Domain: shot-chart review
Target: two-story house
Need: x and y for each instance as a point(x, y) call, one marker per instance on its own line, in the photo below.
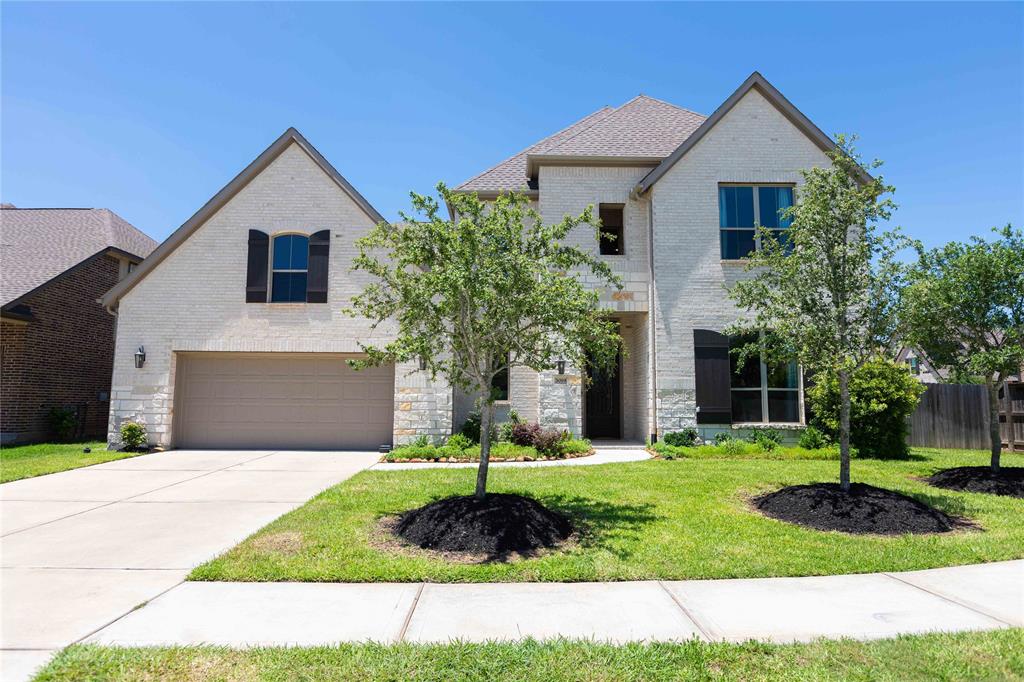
point(231, 334)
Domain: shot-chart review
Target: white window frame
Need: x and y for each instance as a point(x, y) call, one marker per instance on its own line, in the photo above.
point(764, 388)
point(272, 270)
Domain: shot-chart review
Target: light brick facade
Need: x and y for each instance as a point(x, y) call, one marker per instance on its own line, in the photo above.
point(194, 300)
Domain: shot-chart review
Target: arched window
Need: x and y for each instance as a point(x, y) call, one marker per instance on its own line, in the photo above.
point(290, 268)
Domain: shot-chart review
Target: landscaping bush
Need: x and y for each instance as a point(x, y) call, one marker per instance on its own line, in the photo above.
point(471, 427)
point(63, 423)
point(721, 437)
point(546, 441)
point(684, 438)
point(133, 436)
point(459, 442)
point(767, 439)
point(883, 394)
point(812, 439)
point(505, 428)
point(735, 446)
point(524, 434)
point(574, 446)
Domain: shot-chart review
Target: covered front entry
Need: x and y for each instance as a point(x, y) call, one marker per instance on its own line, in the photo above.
point(281, 400)
point(603, 403)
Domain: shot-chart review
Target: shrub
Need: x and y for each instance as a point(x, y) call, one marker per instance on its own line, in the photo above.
point(63, 422)
point(546, 441)
point(685, 438)
point(883, 394)
point(525, 434)
point(766, 439)
point(721, 437)
point(421, 442)
point(133, 435)
point(574, 446)
point(813, 439)
point(734, 446)
point(459, 442)
point(471, 427)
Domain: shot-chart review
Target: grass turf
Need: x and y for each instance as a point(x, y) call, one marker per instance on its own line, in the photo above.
point(996, 655)
point(645, 520)
point(26, 461)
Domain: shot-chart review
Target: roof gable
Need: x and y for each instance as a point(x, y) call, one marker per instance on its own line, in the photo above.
point(240, 181)
point(753, 82)
point(40, 244)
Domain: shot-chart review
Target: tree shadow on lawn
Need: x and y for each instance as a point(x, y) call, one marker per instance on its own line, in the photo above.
point(598, 522)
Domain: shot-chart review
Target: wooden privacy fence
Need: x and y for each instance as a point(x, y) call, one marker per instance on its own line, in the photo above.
point(951, 416)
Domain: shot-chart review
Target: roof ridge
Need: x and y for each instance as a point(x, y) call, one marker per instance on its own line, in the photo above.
point(671, 104)
point(526, 150)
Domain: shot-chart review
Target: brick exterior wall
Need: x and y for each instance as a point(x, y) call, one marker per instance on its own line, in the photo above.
point(195, 301)
point(753, 143)
point(61, 358)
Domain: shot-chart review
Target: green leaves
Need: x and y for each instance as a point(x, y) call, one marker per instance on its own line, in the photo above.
point(491, 288)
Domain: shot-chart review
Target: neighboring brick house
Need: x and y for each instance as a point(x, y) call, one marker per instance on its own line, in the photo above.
point(56, 340)
point(240, 311)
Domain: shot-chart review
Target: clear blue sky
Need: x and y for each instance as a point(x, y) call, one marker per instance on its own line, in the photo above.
point(149, 109)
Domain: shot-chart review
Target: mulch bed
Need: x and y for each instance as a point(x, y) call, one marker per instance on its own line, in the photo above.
point(1009, 481)
point(865, 509)
point(496, 527)
point(475, 460)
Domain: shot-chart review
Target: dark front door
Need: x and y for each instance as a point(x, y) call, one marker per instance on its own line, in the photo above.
point(604, 403)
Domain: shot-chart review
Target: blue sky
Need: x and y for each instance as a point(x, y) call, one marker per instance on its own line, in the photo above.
point(149, 109)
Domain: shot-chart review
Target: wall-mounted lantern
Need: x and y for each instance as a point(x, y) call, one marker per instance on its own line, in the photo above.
point(423, 363)
point(140, 357)
point(560, 365)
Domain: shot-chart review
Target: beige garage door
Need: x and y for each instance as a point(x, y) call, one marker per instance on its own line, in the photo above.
point(281, 400)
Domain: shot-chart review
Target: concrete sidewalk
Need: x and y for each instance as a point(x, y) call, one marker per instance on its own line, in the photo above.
point(979, 597)
point(82, 548)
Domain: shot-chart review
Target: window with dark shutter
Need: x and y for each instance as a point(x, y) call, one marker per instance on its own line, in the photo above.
point(256, 274)
point(319, 258)
point(612, 243)
point(712, 377)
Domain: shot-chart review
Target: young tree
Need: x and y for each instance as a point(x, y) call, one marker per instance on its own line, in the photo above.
point(492, 289)
point(826, 295)
point(965, 309)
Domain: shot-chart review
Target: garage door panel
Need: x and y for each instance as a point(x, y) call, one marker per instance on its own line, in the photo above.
point(238, 400)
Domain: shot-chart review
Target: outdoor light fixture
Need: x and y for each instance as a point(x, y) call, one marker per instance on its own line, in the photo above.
point(140, 357)
point(423, 363)
point(560, 364)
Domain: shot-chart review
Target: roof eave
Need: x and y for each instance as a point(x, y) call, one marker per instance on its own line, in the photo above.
point(222, 197)
point(535, 161)
point(776, 98)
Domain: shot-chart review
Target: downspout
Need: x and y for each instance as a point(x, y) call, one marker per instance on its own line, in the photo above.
point(652, 337)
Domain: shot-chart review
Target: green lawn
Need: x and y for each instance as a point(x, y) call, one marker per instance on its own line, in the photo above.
point(25, 461)
point(645, 520)
point(997, 655)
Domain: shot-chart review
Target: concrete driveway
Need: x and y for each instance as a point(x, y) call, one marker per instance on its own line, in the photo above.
point(80, 549)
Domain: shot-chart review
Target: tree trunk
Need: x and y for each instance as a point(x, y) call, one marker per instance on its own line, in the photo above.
point(844, 429)
point(993, 421)
point(485, 449)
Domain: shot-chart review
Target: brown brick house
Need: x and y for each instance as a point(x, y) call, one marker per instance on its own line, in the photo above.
point(56, 340)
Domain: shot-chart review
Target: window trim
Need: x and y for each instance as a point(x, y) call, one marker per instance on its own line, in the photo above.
point(764, 388)
point(757, 214)
point(622, 228)
point(271, 269)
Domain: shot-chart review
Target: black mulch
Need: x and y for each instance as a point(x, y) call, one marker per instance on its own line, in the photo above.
point(497, 526)
point(864, 509)
point(1009, 481)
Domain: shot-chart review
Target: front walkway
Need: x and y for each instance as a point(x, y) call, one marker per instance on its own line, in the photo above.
point(81, 548)
point(979, 597)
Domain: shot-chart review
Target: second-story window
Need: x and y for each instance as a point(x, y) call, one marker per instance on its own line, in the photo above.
point(291, 268)
point(612, 242)
point(742, 207)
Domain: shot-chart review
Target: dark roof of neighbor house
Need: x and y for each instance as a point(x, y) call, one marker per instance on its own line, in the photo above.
point(38, 244)
point(642, 128)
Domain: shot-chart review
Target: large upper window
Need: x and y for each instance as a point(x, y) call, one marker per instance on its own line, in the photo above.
point(499, 383)
point(612, 243)
point(764, 393)
point(291, 268)
point(742, 207)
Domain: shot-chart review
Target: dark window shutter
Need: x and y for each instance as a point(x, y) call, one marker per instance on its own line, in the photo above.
point(319, 257)
point(713, 380)
point(259, 261)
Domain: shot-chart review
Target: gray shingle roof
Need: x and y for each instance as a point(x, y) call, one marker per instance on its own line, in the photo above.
point(642, 127)
point(37, 244)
